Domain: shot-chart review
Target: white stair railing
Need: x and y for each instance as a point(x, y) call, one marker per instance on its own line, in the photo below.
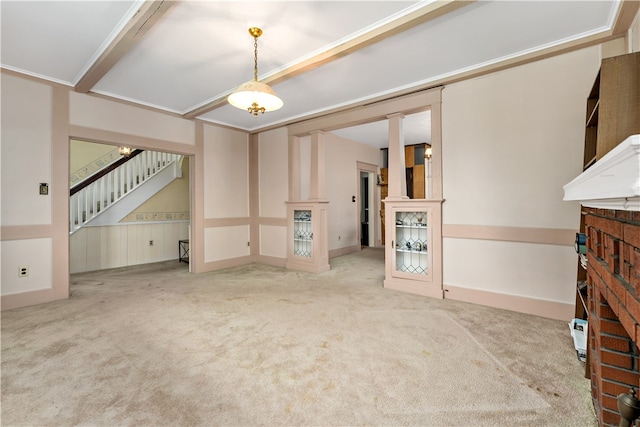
point(107, 190)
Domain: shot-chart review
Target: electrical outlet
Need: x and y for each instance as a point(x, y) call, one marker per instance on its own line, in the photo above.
point(150, 242)
point(23, 271)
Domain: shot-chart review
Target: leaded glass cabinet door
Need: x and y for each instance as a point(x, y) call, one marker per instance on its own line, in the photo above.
point(413, 246)
point(411, 242)
point(302, 233)
point(307, 248)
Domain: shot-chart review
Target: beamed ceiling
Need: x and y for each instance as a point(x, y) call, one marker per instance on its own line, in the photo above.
point(185, 57)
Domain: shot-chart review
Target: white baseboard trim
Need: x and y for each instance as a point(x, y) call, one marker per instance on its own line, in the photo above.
point(543, 308)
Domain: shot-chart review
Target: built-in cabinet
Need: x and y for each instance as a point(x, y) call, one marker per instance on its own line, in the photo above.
point(306, 237)
point(414, 227)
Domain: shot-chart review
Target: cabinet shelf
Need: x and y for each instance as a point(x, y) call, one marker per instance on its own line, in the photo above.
point(412, 252)
point(592, 111)
point(582, 294)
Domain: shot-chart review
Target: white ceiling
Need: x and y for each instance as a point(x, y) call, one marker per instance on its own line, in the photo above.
point(191, 53)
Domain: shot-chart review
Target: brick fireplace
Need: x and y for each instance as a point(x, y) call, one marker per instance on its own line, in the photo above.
point(613, 283)
point(609, 192)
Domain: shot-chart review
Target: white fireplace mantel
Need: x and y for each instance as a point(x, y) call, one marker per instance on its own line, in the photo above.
point(613, 182)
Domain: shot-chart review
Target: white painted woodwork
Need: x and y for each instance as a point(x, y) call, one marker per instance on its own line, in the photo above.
point(613, 182)
point(97, 248)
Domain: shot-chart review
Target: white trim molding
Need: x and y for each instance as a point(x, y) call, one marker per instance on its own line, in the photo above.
point(613, 182)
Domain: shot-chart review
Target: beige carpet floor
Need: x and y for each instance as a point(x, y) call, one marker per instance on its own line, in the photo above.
point(256, 345)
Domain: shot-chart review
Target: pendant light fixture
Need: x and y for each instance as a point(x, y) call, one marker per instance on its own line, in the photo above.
point(254, 96)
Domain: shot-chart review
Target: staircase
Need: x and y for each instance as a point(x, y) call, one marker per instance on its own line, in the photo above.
point(114, 194)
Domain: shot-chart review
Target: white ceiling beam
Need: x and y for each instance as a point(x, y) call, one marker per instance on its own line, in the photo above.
point(148, 14)
point(420, 16)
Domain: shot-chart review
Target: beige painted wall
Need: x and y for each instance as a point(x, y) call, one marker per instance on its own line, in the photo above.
point(343, 180)
point(26, 151)
point(226, 177)
point(274, 177)
point(273, 156)
point(226, 194)
point(26, 135)
point(97, 113)
point(83, 154)
point(511, 140)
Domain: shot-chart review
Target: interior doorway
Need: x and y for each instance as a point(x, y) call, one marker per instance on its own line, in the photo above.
point(364, 209)
point(366, 188)
point(146, 226)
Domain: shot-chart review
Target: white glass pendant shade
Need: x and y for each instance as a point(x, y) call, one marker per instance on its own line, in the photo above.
point(254, 92)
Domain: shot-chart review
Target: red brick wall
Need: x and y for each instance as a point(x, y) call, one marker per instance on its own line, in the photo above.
point(613, 283)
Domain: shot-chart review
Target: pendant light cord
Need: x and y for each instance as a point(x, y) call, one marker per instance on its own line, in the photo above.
point(255, 58)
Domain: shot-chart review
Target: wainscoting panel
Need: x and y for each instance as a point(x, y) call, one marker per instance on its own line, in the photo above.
point(97, 248)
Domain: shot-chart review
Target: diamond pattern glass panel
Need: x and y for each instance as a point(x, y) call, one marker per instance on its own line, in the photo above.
point(411, 242)
point(302, 233)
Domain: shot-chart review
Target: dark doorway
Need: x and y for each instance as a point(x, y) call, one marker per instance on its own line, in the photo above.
point(364, 208)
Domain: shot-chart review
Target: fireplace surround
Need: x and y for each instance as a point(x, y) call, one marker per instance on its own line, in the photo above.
point(609, 192)
point(613, 283)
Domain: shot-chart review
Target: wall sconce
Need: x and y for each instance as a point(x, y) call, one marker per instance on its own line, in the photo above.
point(124, 151)
point(428, 153)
